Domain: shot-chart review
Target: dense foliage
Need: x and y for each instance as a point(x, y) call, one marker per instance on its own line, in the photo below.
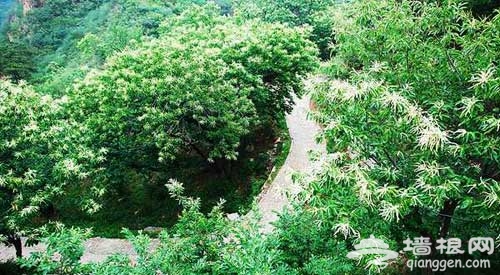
point(205, 244)
point(411, 118)
point(198, 90)
point(40, 153)
point(295, 13)
point(206, 83)
point(70, 41)
point(16, 60)
point(409, 106)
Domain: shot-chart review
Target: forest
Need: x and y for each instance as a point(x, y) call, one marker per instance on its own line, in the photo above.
point(288, 137)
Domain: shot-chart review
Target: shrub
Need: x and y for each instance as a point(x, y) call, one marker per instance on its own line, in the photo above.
point(413, 127)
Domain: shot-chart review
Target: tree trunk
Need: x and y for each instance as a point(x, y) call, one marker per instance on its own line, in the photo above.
point(19, 247)
point(15, 240)
point(446, 216)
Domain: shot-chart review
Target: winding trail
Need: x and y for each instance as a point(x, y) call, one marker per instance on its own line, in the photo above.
point(303, 135)
point(270, 202)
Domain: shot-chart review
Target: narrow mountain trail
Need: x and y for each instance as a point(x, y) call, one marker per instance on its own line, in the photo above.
point(270, 202)
point(303, 135)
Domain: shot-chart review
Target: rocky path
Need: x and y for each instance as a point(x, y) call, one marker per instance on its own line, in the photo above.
point(302, 133)
point(96, 249)
point(271, 201)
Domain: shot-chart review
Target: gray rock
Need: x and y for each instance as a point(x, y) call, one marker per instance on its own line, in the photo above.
point(152, 230)
point(233, 216)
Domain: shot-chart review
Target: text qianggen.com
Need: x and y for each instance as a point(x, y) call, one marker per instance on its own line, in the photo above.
point(442, 265)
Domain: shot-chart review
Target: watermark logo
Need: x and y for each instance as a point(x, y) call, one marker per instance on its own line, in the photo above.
point(373, 246)
point(423, 246)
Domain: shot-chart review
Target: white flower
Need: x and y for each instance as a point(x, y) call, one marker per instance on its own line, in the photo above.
point(175, 187)
point(428, 169)
point(91, 206)
point(354, 93)
point(342, 90)
point(460, 133)
point(335, 157)
point(71, 166)
point(394, 100)
point(378, 67)
point(492, 195)
point(385, 190)
point(468, 104)
point(432, 138)
point(56, 257)
point(422, 185)
point(389, 211)
point(364, 191)
point(482, 77)
point(369, 86)
point(46, 100)
point(346, 230)
point(413, 111)
point(32, 126)
point(11, 143)
point(29, 210)
point(334, 123)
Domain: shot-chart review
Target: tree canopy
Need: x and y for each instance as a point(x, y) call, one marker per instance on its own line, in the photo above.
point(411, 118)
point(408, 104)
point(41, 152)
point(200, 87)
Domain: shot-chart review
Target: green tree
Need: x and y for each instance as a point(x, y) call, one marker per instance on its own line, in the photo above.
point(40, 154)
point(16, 60)
point(294, 13)
point(201, 87)
point(413, 127)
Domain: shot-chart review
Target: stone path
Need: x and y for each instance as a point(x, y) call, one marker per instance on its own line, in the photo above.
point(271, 201)
point(302, 133)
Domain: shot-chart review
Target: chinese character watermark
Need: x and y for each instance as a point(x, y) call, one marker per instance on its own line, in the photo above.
point(423, 246)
